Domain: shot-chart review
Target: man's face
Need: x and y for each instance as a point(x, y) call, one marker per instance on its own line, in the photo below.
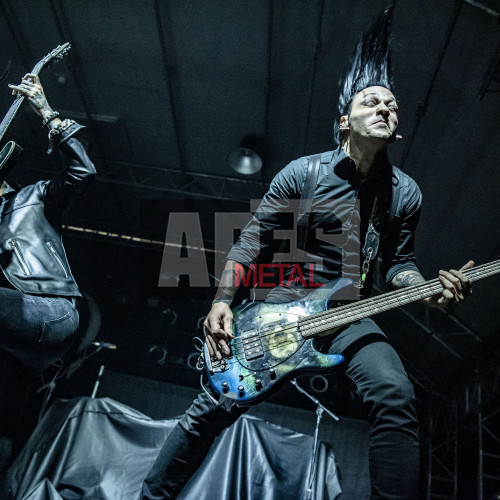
point(374, 114)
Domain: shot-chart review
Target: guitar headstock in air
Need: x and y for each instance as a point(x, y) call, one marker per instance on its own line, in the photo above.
point(56, 55)
point(52, 57)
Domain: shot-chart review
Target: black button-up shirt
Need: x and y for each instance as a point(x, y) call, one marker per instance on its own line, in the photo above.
point(341, 208)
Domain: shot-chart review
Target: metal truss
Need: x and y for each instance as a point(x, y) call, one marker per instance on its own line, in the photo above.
point(194, 184)
point(441, 450)
point(461, 414)
point(465, 427)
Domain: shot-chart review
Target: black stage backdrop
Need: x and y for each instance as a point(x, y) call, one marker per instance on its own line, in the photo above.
point(90, 448)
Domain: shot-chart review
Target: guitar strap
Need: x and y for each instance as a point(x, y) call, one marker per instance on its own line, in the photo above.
point(393, 210)
point(306, 199)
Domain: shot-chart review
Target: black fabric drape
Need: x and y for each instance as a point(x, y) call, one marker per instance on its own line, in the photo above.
point(88, 448)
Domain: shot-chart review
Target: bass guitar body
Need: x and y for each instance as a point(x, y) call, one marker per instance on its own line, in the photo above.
point(269, 348)
point(275, 342)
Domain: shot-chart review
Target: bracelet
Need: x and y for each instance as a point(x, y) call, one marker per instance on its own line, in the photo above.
point(59, 129)
point(49, 118)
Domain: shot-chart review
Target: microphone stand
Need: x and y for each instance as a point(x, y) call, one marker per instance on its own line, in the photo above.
point(68, 370)
point(319, 414)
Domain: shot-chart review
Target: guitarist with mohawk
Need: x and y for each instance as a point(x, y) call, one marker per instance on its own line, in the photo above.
point(383, 206)
point(38, 294)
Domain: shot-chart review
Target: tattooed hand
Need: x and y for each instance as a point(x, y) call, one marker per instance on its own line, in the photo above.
point(456, 286)
point(32, 89)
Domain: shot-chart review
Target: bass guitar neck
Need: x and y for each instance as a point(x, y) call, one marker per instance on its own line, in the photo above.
point(275, 342)
point(57, 54)
point(11, 151)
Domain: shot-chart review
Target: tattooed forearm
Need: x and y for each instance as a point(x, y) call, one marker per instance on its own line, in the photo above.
point(406, 278)
point(226, 296)
point(229, 284)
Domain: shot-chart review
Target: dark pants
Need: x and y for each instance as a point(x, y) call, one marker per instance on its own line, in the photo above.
point(387, 395)
point(34, 332)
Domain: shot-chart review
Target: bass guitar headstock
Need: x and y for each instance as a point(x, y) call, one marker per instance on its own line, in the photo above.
point(56, 55)
point(52, 57)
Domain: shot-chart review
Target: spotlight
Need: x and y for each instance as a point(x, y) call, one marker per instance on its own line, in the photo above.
point(246, 159)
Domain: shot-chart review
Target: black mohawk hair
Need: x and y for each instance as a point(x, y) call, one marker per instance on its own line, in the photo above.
point(370, 63)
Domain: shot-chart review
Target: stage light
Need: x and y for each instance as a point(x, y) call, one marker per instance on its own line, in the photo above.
point(246, 159)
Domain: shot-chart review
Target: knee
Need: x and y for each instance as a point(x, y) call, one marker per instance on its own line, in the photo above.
point(206, 418)
point(393, 403)
point(397, 390)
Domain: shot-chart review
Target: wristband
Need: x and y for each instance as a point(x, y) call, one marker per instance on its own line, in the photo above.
point(59, 129)
point(49, 118)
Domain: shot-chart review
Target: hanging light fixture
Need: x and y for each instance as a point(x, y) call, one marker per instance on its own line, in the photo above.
point(246, 159)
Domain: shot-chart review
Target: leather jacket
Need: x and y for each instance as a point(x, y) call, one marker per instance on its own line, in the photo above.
point(32, 255)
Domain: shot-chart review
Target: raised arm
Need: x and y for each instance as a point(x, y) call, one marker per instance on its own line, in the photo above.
point(31, 88)
point(79, 169)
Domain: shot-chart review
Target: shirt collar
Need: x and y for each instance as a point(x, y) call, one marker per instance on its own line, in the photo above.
point(345, 168)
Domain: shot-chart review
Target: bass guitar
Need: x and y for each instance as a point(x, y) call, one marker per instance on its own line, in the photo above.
point(11, 151)
point(274, 342)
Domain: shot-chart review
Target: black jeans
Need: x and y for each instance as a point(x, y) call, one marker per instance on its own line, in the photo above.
point(387, 395)
point(34, 332)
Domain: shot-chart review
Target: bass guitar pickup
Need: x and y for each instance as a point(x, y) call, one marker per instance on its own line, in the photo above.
point(252, 346)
